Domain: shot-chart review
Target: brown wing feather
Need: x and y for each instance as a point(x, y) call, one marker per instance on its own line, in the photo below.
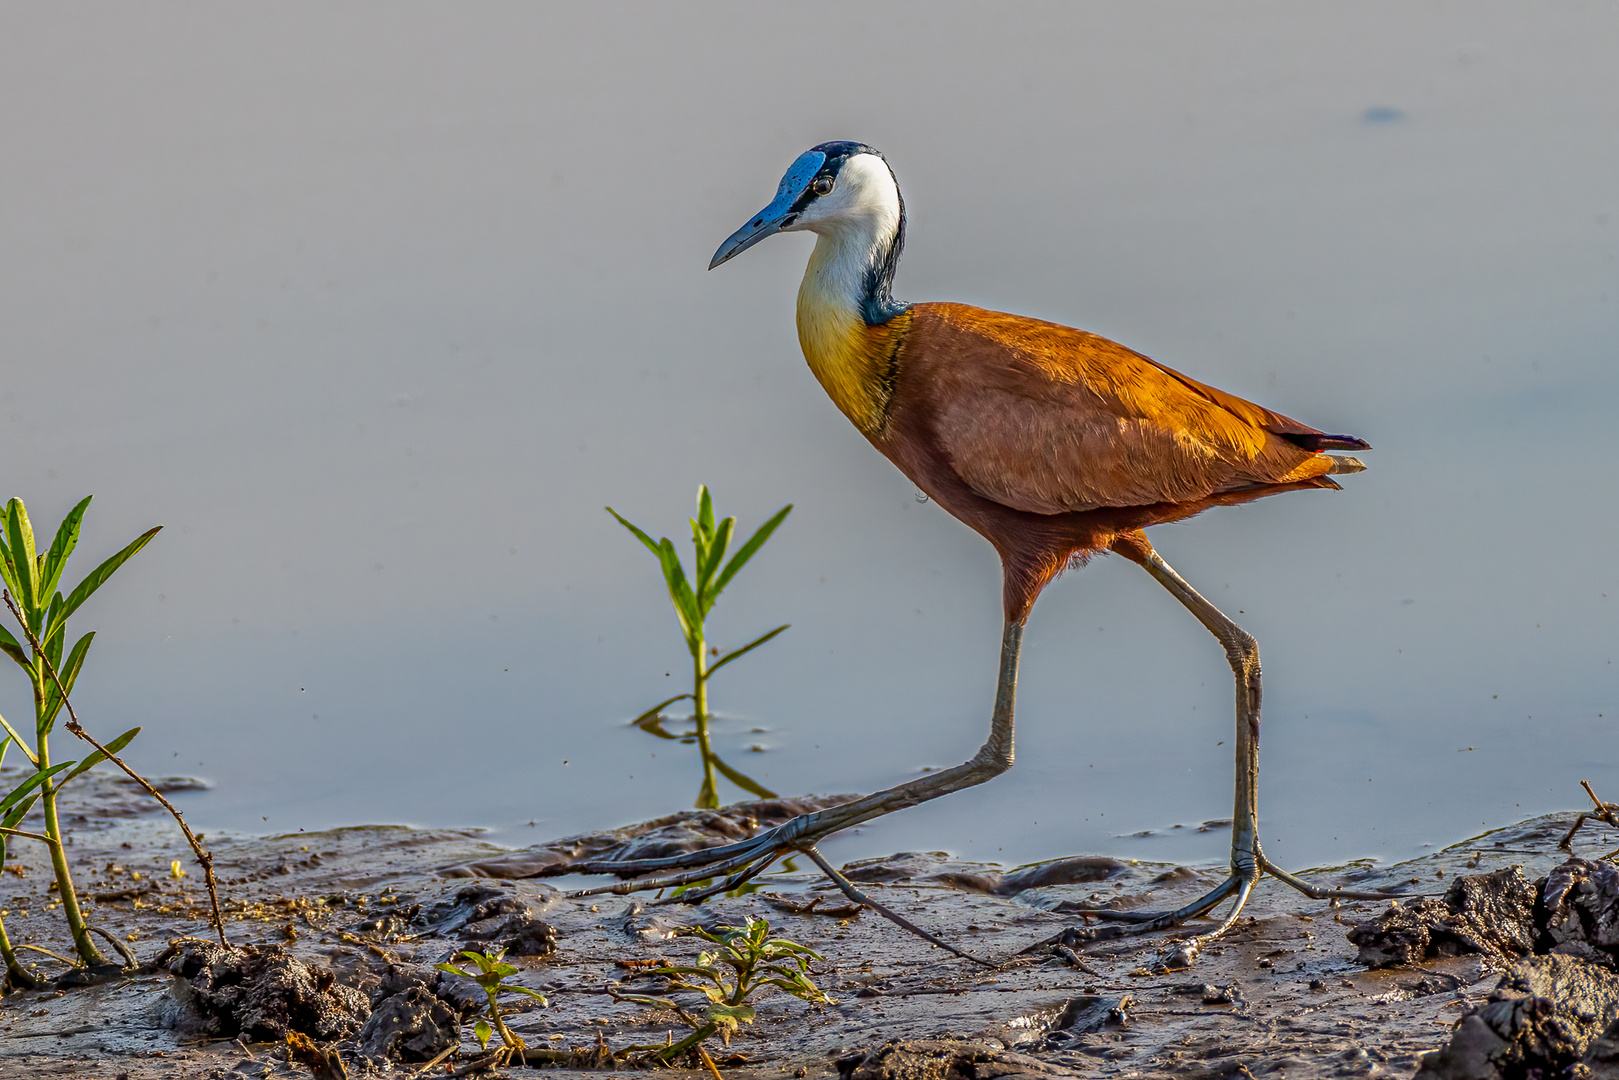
point(1044, 418)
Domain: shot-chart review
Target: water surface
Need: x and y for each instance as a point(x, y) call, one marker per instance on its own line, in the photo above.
point(375, 307)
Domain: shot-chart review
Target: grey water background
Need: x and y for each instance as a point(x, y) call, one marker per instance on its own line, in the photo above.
point(375, 306)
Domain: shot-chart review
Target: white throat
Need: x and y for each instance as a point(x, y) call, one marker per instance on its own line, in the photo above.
point(856, 224)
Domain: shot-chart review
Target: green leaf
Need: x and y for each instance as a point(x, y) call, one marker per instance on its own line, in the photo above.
point(651, 545)
point(793, 948)
point(97, 757)
point(707, 797)
point(673, 970)
point(705, 511)
point(69, 672)
point(749, 647)
point(8, 569)
point(746, 552)
point(54, 623)
point(535, 994)
point(707, 567)
point(24, 564)
point(13, 648)
point(19, 811)
point(97, 577)
point(451, 969)
point(67, 537)
point(11, 733)
point(481, 1031)
point(729, 1015)
point(680, 595)
point(743, 781)
point(30, 784)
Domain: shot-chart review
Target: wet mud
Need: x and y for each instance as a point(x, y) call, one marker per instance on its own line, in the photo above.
point(1494, 959)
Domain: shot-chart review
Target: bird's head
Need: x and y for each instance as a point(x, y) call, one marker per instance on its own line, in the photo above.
point(837, 187)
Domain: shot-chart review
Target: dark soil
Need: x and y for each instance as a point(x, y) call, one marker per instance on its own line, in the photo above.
point(335, 935)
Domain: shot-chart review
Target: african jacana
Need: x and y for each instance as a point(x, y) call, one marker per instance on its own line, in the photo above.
point(1052, 443)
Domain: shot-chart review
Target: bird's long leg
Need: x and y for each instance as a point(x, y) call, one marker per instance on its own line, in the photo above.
point(1248, 862)
point(802, 832)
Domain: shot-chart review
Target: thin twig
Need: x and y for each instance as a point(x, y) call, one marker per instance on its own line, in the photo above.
point(47, 952)
point(713, 1068)
point(122, 949)
point(492, 1060)
point(204, 858)
point(848, 889)
point(446, 1052)
point(31, 835)
point(1603, 812)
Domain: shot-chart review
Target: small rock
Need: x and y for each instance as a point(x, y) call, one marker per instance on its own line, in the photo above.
point(1542, 1017)
point(260, 992)
point(944, 1059)
point(1579, 909)
point(520, 934)
point(1483, 913)
point(410, 1026)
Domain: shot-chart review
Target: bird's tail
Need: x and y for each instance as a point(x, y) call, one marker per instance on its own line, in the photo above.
point(1342, 465)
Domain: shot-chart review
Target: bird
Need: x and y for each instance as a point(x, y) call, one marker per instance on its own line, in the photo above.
point(1053, 444)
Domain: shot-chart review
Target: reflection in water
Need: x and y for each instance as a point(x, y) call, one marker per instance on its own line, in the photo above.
point(694, 595)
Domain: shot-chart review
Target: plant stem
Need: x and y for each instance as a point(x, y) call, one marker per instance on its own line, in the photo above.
point(82, 941)
point(205, 858)
point(14, 968)
point(507, 1036)
point(708, 797)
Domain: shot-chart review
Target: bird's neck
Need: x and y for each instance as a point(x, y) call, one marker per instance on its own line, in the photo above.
point(849, 325)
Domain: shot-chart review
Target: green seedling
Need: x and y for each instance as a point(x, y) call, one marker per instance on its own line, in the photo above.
point(693, 596)
point(490, 972)
point(32, 578)
point(748, 960)
point(13, 808)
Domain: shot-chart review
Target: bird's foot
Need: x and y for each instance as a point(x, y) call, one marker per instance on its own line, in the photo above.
point(694, 873)
point(1245, 874)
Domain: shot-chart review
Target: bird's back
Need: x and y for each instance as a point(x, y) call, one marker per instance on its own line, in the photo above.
point(1047, 419)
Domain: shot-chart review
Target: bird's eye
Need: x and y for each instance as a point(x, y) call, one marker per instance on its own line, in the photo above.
point(822, 185)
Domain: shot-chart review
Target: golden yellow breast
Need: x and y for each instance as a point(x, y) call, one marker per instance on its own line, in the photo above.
point(852, 361)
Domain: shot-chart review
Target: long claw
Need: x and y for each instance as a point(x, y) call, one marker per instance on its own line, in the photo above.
point(848, 889)
point(1313, 892)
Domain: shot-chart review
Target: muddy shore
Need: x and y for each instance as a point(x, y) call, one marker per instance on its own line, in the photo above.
point(369, 909)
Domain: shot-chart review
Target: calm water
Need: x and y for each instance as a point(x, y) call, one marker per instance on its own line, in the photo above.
point(375, 307)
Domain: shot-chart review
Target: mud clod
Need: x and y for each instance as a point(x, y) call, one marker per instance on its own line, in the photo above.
point(519, 935)
point(1579, 910)
point(1481, 913)
point(1542, 1017)
point(410, 1026)
point(260, 993)
point(944, 1059)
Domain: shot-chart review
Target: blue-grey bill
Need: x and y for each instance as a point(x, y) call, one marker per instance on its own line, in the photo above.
point(779, 214)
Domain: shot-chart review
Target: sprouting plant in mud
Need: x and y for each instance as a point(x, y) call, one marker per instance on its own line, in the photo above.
point(747, 960)
point(693, 596)
point(32, 577)
point(490, 972)
point(13, 808)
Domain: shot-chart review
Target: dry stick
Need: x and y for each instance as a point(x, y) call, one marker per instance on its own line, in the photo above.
point(205, 859)
point(446, 1052)
point(1603, 812)
point(709, 1062)
point(47, 952)
point(118, 946)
